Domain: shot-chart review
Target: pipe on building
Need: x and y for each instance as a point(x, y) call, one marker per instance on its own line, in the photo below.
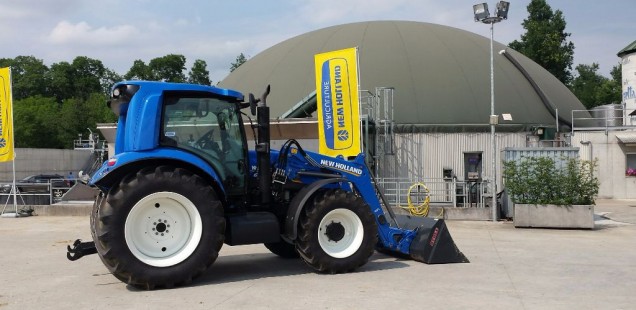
point(589, 143)
point(537, 89)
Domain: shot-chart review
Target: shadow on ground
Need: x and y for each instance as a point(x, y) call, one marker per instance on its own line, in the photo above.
point(245, 267)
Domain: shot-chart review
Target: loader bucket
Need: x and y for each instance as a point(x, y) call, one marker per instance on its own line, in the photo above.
point(433, 243)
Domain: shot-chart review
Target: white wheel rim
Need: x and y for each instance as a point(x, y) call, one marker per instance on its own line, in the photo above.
point(347, 242)
point(163, 229)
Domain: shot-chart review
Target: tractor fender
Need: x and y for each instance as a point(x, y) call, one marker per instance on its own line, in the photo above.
point(298, 203)
point(121, 164)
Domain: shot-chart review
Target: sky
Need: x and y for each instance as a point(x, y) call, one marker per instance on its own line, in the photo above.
point(118, 32)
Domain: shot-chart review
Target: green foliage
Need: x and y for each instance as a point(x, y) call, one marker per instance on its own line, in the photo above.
point(37, 122)
point(53, 105)
point(168, 68)
point(29, 76)
point(540, 180)
point(108, 79)
point(42, 122)
point(138, 71)
point(545, 40)
point(78, 79)
point(240, 59)
point(593, 89)
point(199, 73)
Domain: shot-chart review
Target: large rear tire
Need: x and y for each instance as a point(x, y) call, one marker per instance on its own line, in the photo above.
point(337, 232)
point(160, 227)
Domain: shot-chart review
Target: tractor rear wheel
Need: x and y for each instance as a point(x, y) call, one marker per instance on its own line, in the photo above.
point(337, 232)
point(160, 227)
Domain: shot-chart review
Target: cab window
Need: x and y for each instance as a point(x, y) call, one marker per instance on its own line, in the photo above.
point(210, 128)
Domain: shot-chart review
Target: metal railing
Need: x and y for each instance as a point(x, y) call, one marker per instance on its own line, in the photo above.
point(607, 118)
point(449, 192)
point(35, 193)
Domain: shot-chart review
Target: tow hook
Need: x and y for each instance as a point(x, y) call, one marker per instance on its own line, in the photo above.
point(80, 249)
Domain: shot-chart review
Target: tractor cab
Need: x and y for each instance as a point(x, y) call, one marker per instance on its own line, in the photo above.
point(211, 128)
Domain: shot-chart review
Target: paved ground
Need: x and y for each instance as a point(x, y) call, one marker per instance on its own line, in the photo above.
point(510, 269)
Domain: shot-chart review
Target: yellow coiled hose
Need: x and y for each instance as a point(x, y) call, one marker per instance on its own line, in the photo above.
point(422, 208)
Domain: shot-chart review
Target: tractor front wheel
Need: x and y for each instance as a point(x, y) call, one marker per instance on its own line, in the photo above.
point(337, 232)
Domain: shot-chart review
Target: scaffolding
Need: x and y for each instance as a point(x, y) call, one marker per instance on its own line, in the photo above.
point(378, 126)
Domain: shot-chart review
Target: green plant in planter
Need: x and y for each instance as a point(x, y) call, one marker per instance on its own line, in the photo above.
point(540, 180)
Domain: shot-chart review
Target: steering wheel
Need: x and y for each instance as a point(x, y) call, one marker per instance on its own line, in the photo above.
point(206, 142)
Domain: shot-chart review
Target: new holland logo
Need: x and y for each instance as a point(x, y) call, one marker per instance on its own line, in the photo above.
point(343, 135)
point(3, 142)
point(342, 167)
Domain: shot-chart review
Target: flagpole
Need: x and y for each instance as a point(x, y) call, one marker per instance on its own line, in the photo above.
point(15, 189)
point(12, 140)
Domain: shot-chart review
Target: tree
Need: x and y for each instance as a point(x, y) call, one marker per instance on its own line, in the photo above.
point(79, 114)
point(199, 73)
point(168, 68)
point(87, 75)
point(61, 77)
point(593, 89)
point(29, 76)
point(138, 71)
point(51, 106)
point(612, 90)
point(37, 123)
point(109, 79)
point(240, 59)
point(78, 79)
point(545, 40)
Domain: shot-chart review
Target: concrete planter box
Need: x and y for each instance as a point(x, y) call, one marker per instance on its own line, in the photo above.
point(554, 216)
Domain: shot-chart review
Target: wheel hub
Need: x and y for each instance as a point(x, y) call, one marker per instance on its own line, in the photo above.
point(340, 233)
point(163, 229)
point(335, 231)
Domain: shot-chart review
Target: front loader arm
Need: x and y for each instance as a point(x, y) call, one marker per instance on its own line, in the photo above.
point(423, 239)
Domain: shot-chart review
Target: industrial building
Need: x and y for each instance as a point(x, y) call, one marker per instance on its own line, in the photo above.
point(425, 91)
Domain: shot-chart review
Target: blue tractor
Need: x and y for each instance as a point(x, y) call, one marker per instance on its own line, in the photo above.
point(183, 181)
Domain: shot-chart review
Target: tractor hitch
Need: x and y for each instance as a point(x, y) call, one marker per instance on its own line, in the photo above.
point(80, 249)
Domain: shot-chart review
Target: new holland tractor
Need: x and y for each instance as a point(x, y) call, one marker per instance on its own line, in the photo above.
point(183, 182)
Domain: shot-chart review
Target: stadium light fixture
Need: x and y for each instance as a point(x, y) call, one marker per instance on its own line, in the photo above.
point(483, 15)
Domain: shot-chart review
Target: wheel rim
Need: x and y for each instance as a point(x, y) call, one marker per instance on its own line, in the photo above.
point(340, 233)
point(163, 229)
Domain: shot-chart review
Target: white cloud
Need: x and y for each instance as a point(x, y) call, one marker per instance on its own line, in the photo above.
point(327, 11)
point(21, 9)
point(84, 34)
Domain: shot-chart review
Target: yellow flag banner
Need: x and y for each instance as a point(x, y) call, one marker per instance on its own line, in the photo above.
point(338, 105)
point(6, 116)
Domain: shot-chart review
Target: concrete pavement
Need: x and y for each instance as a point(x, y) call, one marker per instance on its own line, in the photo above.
point(510, 269)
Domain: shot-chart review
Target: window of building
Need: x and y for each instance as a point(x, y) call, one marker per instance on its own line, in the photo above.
point(630, 164)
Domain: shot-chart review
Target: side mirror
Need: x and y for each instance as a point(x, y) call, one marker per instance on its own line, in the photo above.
point(253, 102)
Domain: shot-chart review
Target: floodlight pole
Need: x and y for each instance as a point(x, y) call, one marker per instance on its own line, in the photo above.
point(483, 15)
point(494, 118)
point(492, 126)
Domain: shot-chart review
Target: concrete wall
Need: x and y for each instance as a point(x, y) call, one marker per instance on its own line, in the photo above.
point(30, 161)
point(629, 87)
point(611, 155)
